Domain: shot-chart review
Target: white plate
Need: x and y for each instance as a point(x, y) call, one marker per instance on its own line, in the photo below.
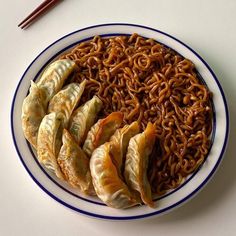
point(92, 206)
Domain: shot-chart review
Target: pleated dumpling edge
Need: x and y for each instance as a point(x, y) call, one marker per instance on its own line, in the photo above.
point(106, 180)
point(136, 164)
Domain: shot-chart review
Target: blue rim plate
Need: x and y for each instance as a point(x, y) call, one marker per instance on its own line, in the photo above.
point(91, 206)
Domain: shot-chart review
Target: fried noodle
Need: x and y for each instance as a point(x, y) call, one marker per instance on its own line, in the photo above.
point(149, 82)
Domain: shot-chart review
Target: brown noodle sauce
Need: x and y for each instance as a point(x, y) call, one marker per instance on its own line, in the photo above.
point(149, 82)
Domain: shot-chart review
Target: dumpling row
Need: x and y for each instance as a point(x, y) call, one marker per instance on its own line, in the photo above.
point(55, 129)
point(66, 138)
point(46, 112)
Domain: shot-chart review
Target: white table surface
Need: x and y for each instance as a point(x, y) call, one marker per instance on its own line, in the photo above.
point(209, 27)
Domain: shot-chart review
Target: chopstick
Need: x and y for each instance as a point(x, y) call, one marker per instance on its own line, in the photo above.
point(42, 8)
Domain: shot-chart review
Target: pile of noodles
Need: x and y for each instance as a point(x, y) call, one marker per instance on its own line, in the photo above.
point(150, 82)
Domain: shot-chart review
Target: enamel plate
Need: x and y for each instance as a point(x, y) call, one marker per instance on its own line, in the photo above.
point(91, 206)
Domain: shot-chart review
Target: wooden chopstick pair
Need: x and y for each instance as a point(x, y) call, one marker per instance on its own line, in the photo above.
point(42, 8)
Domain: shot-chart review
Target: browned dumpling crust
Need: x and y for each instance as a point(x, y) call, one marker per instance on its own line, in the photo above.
point(119, 142)
point(75, 164)
point(102, 131)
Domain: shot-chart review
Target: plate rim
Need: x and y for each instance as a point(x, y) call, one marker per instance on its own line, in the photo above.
point(155, 213)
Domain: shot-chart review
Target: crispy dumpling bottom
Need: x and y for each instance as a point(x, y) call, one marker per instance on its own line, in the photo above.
point(102, 131)
point(75, 165)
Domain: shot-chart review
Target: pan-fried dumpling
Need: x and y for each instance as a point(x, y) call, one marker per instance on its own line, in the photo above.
point(106, 181)
point(136, 164)
point(83, 118)
point(75, 164)
point(32, 114)
point(119, 143)
point(49, 142)
point(102, 131)
point(65, 101)
point(54, 76)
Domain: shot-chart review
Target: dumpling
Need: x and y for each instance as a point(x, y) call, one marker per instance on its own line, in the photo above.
point(106, 181)
point(119, 143)
point(75, 164)
point(102, 131)
point(54, 76)
point(49, 142)
point(136, 164)
point(83, 118)
point(32, 114)
point(65, 101)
